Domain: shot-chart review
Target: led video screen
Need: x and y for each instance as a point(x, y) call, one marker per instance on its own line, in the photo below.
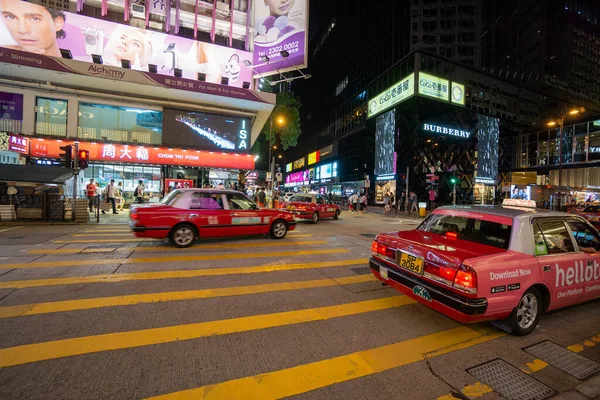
point(205, 131)
point(385, 156)
point(488, 134)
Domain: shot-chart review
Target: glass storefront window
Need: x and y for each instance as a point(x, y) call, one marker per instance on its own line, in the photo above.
point(594, 146)
point(50, 116)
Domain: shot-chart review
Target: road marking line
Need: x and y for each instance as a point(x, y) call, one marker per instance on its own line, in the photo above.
point(125, 340)
point(178, 274)
point(86, 304)
point(116, 240)
point(478, 389)
point(125, 229)
point(307, 377)
point(102, 234)
point(172, 258)
point(10, 229)
point(269, 243)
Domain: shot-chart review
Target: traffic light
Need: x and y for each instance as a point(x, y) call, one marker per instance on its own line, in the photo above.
point(67, 156)
point(83, 159)
point(453, 180)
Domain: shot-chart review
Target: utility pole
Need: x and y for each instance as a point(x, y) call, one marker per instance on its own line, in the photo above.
point(75, 178)
point(407, 194)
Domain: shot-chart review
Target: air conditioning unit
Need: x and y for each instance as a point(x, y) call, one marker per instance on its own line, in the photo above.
point(138, 11)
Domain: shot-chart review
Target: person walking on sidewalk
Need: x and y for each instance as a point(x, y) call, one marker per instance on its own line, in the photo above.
point(111, 195)
point(363, 203)
point(261, 196)
point(413, 202)
point(120, 196)
point(139, 192)
point(90, 190)
point(386, 204)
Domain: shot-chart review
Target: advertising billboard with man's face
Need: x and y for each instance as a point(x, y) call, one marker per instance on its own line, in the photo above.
point(280, 25)
point(36, 29)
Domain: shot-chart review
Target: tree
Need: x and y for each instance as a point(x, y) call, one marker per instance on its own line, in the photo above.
point(287, 106)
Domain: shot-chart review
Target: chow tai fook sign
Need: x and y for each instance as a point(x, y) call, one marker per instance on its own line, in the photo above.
point(123, 153)
point(444, 130)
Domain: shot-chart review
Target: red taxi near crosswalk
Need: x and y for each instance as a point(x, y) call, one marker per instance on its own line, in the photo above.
point(311, 207)
point(184, 215)
point(481, 263)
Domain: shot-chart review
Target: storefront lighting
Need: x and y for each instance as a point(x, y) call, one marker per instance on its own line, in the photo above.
point(156, 148)
point(284, 53)
point(236, 155)
point(264, 58)
point(246, 85)
point(66, 54)
point(212, 152)
point(126, 64)
point(201, 76)
point(551, 123)
point(97, 58)
point(59, 141)
point(41, 140)
point(177, 72)
point(152, 68)
point(170, 149)
point(224, 80)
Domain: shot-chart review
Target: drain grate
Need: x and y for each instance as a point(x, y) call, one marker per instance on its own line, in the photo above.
point(361, 270)
point(509, 381)
point(564, 359)
point(369, 235)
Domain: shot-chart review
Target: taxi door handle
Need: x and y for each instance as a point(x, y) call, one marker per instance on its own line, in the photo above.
point(546, 268)
point(235, 215)
point(193, 215)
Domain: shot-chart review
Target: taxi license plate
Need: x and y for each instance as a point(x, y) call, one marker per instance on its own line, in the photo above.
point(411, 263)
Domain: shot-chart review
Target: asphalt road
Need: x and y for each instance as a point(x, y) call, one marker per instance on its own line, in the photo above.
point(89, 312)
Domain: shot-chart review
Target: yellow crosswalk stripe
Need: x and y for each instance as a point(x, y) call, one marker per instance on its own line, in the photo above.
point(169, 259)
point(86, 304)
point(304, 378)
point(101, 234)
point(269, 243)
point(125, 340)
point(178, 274)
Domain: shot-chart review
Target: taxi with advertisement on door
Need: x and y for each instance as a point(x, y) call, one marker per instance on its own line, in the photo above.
point(311, 207)
point(508, 263)
point(591, 212)
point(184, 215)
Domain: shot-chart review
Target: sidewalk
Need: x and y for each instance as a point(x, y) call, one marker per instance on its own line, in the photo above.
point(105, 219)
point(378, 209)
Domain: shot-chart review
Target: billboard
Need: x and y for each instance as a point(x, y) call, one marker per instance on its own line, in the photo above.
point(488, 134)
point(432, 86)
point(280, 26)
point(122, 124)
point(401, 91)
point(205, 131)
point(313, 157)
point(385, 156)
point(50, 116)
point(11, 112)
point(85, 36)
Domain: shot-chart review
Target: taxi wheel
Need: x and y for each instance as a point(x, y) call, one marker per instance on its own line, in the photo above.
point(278, 229)
point(337, 215)
point(183, 235)
point(314, 218)
point(526, 315)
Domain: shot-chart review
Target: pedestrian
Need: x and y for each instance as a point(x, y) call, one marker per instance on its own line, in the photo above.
point(413, 202)
point(392, 201)
point(386, 204)
point(120, 201)
point(138, 193)
point(91, 193)
point(355, 204)
point(330, 197)
point(402, 201)
point(362, 200)
point(261, 196)
point(111, 195)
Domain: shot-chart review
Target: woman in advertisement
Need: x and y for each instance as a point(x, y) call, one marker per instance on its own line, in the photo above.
point(33, 28)
point(274, 21)
point(128, 44)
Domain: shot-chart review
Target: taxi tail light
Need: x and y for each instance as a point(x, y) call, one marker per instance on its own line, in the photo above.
point(441, 274)
point(466, 279)
point(382, 251)
point(134, 216)
point(452, 235)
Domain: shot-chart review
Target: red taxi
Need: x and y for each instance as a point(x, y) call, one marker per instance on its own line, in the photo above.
point(187, 214)
point(311, 206)
point(591, 213)
point(483, 263)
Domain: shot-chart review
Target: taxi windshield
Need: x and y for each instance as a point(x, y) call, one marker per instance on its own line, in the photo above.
point(170, 197)
point(469, 229)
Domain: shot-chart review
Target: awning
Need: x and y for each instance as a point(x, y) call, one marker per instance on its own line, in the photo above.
point(34, 173)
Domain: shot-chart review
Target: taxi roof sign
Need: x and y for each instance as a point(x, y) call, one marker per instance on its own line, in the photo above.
point(519, 203)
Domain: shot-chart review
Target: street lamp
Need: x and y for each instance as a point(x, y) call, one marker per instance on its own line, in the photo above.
point(280, 121)
point(561, 123)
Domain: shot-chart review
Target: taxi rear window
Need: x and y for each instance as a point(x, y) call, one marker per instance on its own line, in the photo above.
point(470, 229)
point(301, 199)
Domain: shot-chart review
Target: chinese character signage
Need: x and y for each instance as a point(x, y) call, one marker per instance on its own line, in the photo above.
point(122, 153)
point(299, 163)
point(313, 157)
point(206, 131)
point(11, 112)
point(125, 123)
point(50, 116)
point(432, 86)
point(18, 143)
point(297, 177)
point(279, 27)
point(326, 151)
point(85, 36)
point(401, 91)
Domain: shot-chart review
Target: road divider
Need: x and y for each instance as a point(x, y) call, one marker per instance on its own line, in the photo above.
point(24, 354)
point(209, 246)
point(101, 302)
point(169, 259)
point(178, 274)
point(305, 378)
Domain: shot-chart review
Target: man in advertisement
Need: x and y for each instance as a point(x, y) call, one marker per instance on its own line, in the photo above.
point(33, 28)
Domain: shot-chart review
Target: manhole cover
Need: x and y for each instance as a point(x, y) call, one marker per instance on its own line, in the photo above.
point(361, 270)
point(509, 381)
point(563, 359)
point(369, 235)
